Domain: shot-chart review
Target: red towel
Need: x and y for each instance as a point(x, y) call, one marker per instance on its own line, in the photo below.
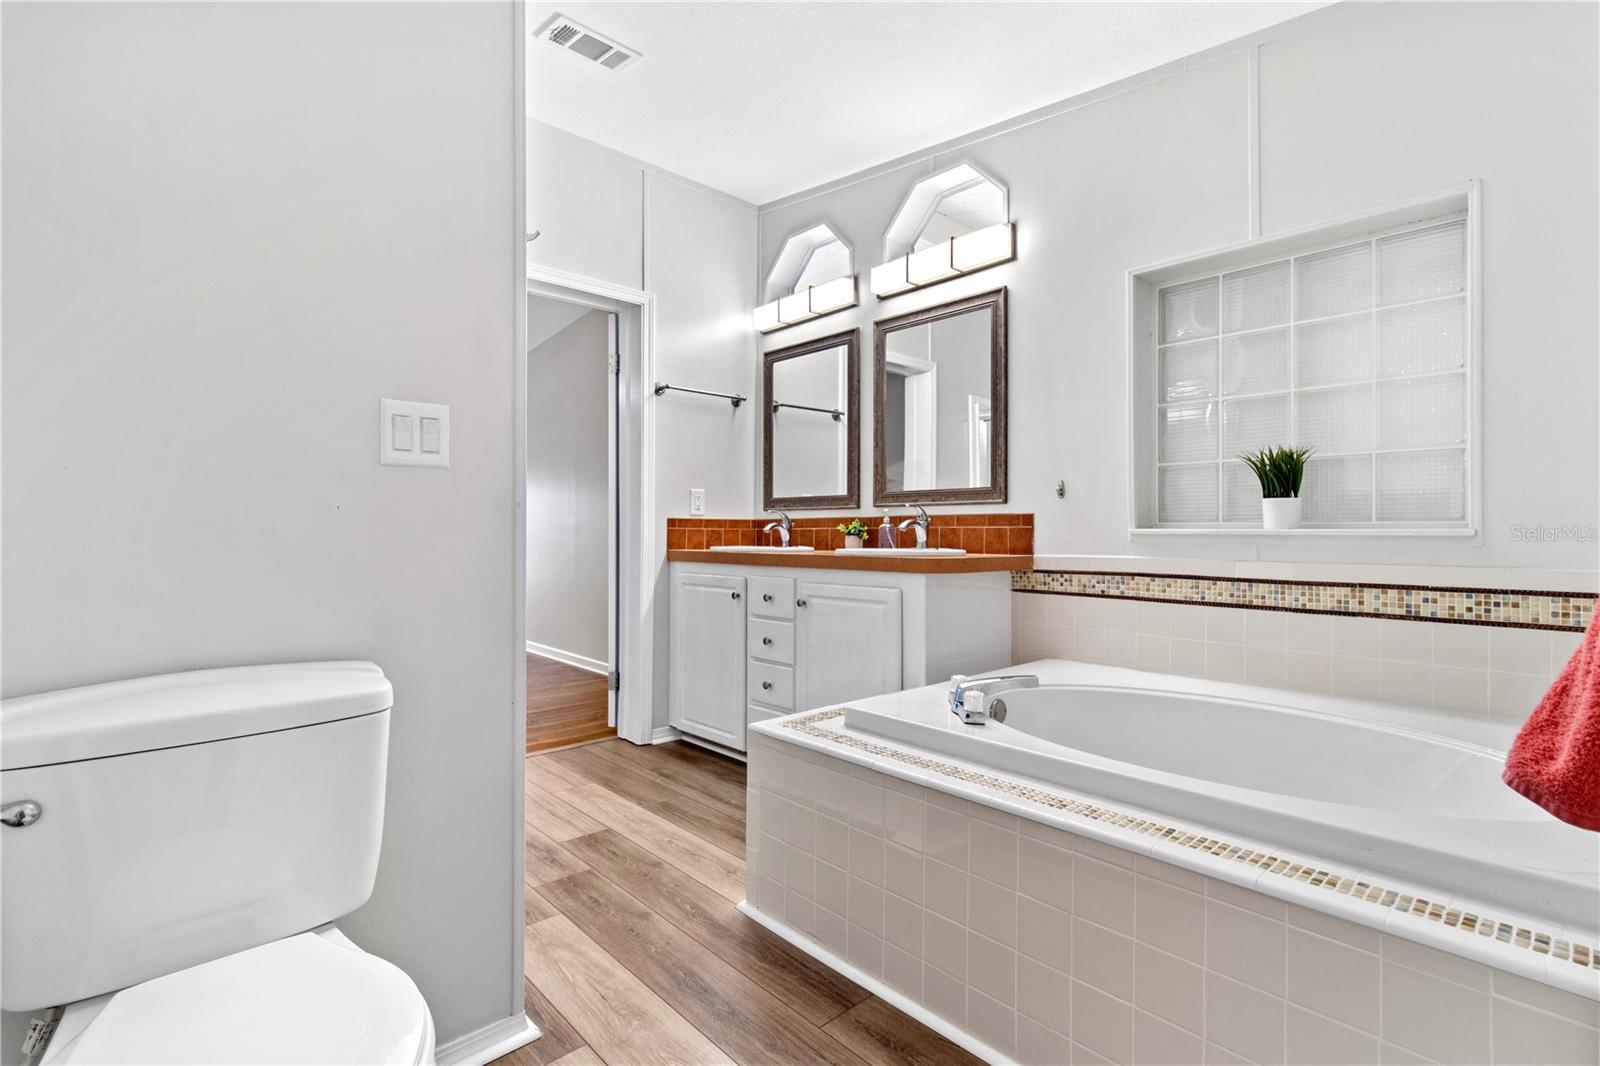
point(1555, 761)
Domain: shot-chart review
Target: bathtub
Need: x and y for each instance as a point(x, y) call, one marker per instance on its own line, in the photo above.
point(1410, 793)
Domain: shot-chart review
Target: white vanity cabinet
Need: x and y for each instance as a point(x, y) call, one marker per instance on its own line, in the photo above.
point(708, 616)
point(756, 642)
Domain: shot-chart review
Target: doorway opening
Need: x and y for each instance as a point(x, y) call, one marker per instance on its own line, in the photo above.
point(572, 508)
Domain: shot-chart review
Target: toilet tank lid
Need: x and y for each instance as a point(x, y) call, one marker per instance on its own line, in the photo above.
point(146, 713)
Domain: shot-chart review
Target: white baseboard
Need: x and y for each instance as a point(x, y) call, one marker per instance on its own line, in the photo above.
point(571, 658)
point(489, 1043)
point(897, 999)
point(664, 734)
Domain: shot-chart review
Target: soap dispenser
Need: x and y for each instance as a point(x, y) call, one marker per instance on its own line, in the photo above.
point(886, 532)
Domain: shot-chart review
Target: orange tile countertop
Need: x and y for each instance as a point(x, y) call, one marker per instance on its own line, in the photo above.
point(830, 560)
point(978, 534)
point(992, 541)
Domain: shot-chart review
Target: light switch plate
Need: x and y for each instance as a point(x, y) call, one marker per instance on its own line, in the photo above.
point(413, 434)
point(697, 501)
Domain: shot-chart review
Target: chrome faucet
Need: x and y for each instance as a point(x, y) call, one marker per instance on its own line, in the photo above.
point(972, 698)
point(781, 525)
point(920, 524)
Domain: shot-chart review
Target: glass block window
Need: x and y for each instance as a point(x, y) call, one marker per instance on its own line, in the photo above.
point(1358, 350)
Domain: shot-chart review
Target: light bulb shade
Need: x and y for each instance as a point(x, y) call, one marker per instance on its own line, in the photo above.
point(984, 247)
point(931, 264)
point(833, 295)
point(890, 278)
point(794, 308)
point(765, 317)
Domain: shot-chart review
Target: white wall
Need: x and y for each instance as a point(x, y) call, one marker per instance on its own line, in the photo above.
point(1358, 107)
point(230, 230)
point(694, 249)
point(568, 479)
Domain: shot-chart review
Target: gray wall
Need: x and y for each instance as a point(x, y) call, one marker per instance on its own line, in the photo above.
point(1358, 107)
point(567, 486)
point(607, 217)
point(230, 229)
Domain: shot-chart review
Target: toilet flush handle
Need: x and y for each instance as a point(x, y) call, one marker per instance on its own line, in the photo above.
point(21, 813)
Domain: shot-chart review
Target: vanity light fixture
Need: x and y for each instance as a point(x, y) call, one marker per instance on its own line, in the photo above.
point(814, 302)
point(949, 258)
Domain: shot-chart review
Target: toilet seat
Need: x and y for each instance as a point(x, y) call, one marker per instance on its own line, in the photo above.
point(310, 998)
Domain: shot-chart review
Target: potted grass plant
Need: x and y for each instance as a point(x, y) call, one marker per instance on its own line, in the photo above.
point(1280, 471)
point(855, 532)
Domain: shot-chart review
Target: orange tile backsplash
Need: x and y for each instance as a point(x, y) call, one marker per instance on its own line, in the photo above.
point(989, 534)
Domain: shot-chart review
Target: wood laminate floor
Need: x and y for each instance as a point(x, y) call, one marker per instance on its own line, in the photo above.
point(566, 705)
point(635, 951)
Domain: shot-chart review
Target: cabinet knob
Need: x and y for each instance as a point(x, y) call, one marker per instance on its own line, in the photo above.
point(766, 684)
point(799, 603)
point(766, 597)
point(735, 595)
point(767, 641)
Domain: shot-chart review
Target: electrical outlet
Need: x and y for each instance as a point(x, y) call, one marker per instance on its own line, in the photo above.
point(697, 501)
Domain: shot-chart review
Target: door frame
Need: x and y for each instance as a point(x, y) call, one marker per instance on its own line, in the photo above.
point(637, 533)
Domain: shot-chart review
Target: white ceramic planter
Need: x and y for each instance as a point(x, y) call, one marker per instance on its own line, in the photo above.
point(852, 542)
point(1281, 513)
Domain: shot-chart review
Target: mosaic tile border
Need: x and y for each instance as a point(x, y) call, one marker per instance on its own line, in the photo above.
point(1586, 956)
point(1567, 612)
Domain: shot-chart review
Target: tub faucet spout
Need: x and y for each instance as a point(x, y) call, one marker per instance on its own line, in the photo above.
point(972, 698)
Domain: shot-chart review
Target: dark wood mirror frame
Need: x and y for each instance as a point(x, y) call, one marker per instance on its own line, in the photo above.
point(851, 497)
point(995, 491)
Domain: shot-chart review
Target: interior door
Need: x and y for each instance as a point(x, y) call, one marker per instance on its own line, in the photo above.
point(708, 657)
point(849, 643)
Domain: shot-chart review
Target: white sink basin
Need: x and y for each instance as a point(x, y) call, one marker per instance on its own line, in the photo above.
point(759, 548)
point(900, 553)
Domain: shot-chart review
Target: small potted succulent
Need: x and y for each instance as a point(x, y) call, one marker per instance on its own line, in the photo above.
point(1280, 471)
point(855, 532)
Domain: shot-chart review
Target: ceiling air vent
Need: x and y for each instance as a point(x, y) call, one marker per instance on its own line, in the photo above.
point(596, 47)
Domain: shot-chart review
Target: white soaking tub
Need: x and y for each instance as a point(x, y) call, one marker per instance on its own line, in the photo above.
point(1415, 794)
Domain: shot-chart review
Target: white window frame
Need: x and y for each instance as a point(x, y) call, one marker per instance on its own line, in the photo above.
point(1143, 364)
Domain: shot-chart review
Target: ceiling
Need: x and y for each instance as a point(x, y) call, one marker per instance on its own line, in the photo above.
point(762, 100)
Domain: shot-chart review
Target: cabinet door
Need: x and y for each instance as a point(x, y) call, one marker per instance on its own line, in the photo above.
point(708, 657)
point(848, 643)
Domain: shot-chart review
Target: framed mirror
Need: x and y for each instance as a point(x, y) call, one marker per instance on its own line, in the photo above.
point(810, 450)
point(939, 404)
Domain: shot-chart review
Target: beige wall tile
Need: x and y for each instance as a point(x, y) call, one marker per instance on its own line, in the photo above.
point(1167, 986)
point(1245, 945)
point(1170, 918)
point(1334, 979)
point(991, 968)
point(1525, 1035)
point(902, 872)
point(903, 820)
point(1159, 1043)
point(946, 835)
point(1103, 894)
point(1316, 1041)
point(1437, 963)
point(1045, 872)
point(864, 949)
point(1044, 994)
point(833, 841)
point(945, 995)
point(1244, 1020)
point(1102, 958)
point(1544, 997)
point(1048, 931)
point(945, 890)
point(992, 852)
point(944, 944)
point(865, 906)
point(1102, 1024)
point(1443, 1021)
point(1039, 1045)
point(902, 971)
point(866, 856)
point(992, 1022)
point(992, 910)
point(902, 924)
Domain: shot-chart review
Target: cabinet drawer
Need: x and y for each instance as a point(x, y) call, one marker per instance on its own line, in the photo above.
point(772, 640)
point(772, 685)
point(772, 597)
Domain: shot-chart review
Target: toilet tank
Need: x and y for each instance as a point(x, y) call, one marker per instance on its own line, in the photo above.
point(182, 818)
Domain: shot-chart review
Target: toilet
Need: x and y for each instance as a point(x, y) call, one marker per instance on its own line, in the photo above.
point(177, 853)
